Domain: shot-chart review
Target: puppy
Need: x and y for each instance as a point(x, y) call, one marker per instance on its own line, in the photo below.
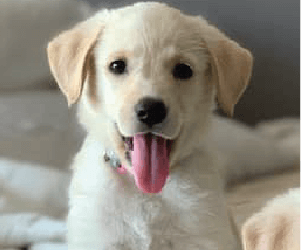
point(276, 226)
point(146, 77)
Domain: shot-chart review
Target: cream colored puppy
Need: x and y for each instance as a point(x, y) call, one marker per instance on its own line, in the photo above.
point(146, 77)
point(276, 226)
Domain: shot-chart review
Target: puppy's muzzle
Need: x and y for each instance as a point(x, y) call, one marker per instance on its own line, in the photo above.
point(151, 111)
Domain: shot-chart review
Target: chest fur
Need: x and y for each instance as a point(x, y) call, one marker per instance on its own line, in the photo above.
point(107, 211)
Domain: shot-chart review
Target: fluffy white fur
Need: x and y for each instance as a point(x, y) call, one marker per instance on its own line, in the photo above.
point(107, 211)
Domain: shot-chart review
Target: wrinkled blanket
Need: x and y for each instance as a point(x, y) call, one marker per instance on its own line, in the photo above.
point(33, 205)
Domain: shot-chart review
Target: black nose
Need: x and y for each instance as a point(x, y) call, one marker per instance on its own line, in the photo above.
point(150, 111)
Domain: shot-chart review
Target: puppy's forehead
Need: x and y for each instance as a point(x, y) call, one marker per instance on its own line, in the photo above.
point(148, 26)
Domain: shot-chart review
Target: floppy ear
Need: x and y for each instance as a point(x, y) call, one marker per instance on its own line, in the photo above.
point(68, 57)
point(231, 67)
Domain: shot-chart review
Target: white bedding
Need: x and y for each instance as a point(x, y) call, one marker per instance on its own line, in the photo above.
point(36, 133)
point(33, 205)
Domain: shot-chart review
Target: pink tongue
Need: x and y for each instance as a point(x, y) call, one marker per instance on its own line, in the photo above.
point(150, 160)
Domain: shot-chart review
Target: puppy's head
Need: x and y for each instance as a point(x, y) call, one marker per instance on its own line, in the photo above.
point(146, 76)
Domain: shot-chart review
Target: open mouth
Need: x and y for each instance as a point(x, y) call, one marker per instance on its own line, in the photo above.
point(149, 156)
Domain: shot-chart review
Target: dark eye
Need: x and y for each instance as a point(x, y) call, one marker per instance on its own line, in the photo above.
point(182, 71)
point(118, 67)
